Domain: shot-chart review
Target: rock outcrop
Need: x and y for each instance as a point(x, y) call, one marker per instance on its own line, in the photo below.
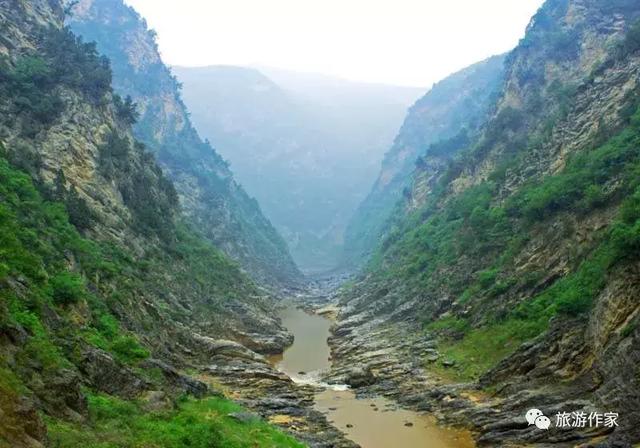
point(516, 260)
point(209, 195)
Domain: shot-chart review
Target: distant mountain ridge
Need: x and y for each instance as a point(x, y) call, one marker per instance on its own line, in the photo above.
point(306, 146)
point(325, 89)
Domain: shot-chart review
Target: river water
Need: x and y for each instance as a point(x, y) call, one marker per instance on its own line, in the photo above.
point(372, 423)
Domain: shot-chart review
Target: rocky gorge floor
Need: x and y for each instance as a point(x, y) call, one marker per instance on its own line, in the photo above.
point(249, 379)
point(385, 355)
point(388, 355)
point(241, 370)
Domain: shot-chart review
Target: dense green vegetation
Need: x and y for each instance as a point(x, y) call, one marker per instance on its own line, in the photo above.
point(37, 278)
point(67, 288)
point(74, 63)
point(30, 82)
point(33, 83)
point(476, 224)
point(36, 238)
point(193, 423)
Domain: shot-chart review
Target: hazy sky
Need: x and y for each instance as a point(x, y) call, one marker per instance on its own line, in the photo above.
point(410, 42)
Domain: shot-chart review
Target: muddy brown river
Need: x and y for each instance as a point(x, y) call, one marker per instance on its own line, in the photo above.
point(371, 423)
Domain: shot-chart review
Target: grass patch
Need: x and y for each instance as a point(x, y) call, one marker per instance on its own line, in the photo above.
point(194, 423)
point(448, 323)
point(482, 348)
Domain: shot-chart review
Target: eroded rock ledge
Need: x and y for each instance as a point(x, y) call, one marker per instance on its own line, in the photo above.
point(385, 356)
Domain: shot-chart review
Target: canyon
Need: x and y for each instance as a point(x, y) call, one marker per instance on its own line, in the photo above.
point(147, 300)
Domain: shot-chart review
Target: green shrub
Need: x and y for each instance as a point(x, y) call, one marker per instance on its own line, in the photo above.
point(626, 239)
point(39, 348)
point(578, 291)
point(80, 215)
point(128, 350)
point(502, 286)
point(476, 197)
point(487, 278)
point(30, 83)
point(629, 328)
point(152, 208)
point(594, 197)
point(108, 326)
point(126, 110)
point(67, 288)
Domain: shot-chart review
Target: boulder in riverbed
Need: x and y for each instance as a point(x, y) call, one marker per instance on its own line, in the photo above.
point(360, 377)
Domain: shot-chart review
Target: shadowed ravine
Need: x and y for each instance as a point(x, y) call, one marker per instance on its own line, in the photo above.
point(370, 422)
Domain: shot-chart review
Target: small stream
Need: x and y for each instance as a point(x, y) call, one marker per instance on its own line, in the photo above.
point(372, 422)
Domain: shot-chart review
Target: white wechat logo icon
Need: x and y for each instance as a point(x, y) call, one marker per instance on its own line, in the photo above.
point(536, 417)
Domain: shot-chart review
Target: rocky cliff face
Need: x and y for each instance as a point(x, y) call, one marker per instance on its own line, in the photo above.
point(105, 288)
point(519, 257)
point(208, 192)
point(436, 126)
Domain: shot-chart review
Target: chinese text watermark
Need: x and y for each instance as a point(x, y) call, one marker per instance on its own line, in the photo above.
point(576, 419)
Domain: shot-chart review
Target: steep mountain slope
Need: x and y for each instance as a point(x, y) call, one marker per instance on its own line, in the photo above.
point(450, 113)
point(105, 289)
point(208, 193)
point(516, 264)
point(307, 151)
